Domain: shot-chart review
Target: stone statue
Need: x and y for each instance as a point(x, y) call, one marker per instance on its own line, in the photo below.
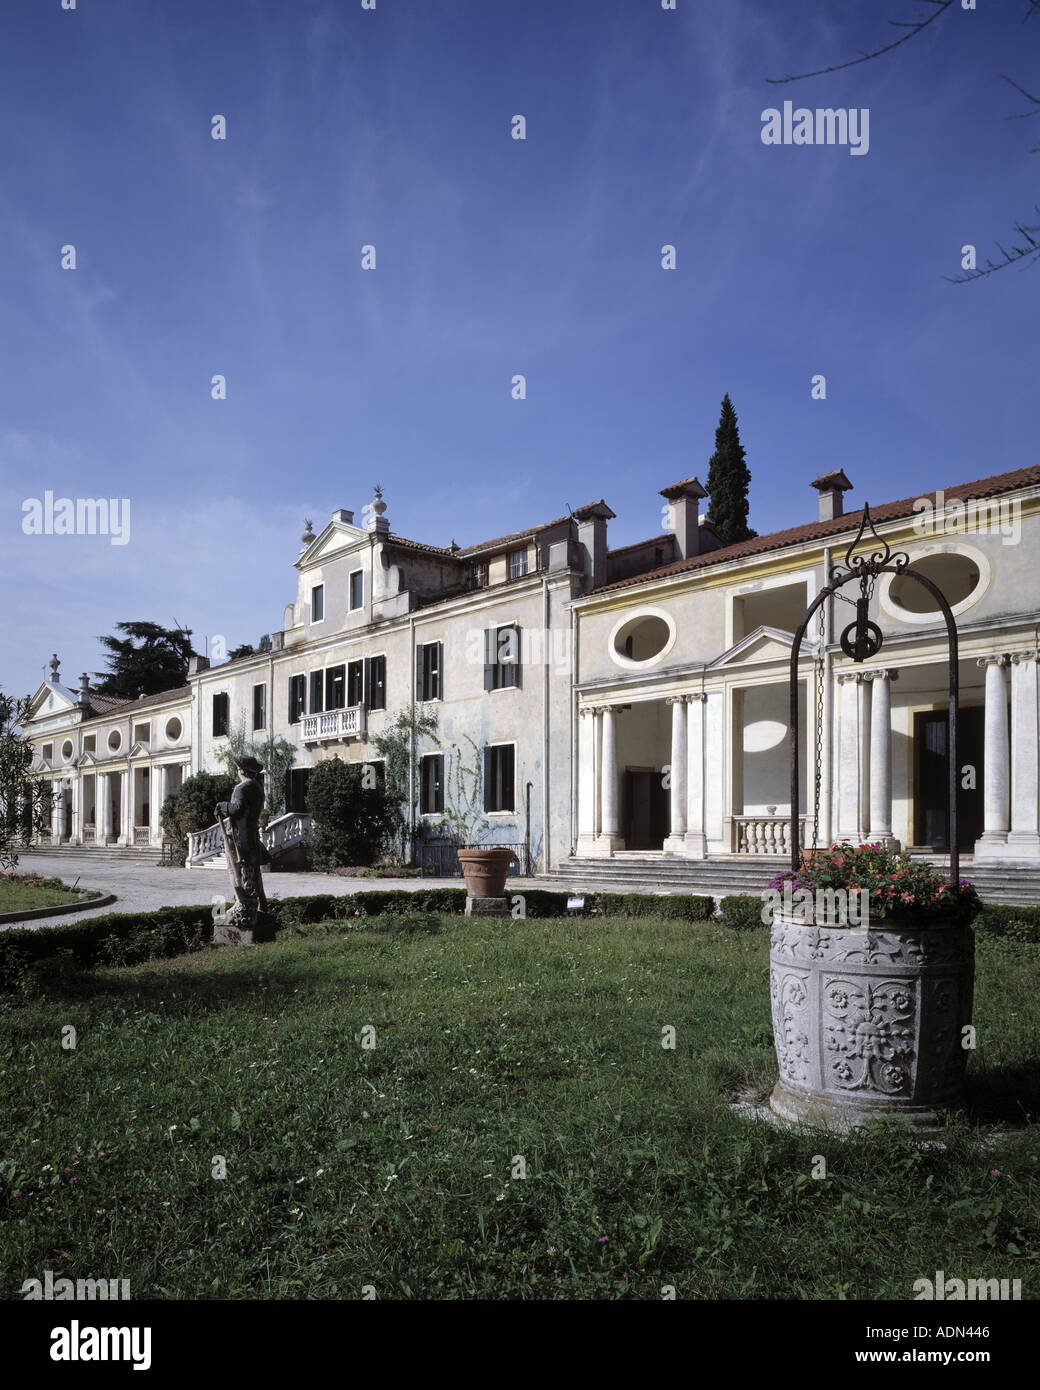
point(239, 821)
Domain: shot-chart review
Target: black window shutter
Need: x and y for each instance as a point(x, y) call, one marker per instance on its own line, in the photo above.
point(420, 663)
point(438, 789)
point(511, 675)
point(490, 657)
point(366, 698)
point(379, 679)
point(507, 801)
point(488, 790)
point(437, 652)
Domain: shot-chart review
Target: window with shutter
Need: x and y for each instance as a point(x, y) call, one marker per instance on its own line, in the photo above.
point(335, 687)
point(355, 683)
point(375, 682)
point(317, 692)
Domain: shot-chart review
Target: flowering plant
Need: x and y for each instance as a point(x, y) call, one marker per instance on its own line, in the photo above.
point(898, 885)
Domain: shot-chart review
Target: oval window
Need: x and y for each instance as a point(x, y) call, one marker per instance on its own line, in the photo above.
point(115, 738)
point(956, 575)
point(641, 639)
point(173, 730)
point(66, 749)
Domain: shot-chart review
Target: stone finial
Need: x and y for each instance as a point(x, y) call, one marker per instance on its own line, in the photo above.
point(308, 531)
point(55, 663)
point(374, 511)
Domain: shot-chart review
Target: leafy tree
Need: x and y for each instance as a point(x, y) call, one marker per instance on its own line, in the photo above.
point(463, 821)
point(397, 746)
point(353, 821)
point(146, 660)
point(24, 799)
point(193, 806)
point(728, 479)
point(275, 755)
point(246, 649)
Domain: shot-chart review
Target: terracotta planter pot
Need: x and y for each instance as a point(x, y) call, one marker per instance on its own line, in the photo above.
point(485, 870)
point(869, 1022)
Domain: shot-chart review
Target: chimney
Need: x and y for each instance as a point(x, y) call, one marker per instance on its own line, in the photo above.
point(684, 517)
point(377, 523)
point(592, 537)
point(197, 664)
point(343, 515)
point(830, 486)
point(83, 698)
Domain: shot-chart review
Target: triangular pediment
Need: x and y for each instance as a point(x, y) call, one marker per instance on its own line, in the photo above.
point(140, 750)
point(86, 759)
point(42, 765)
point(51, 699)
point(337, 537)
point(764, 645)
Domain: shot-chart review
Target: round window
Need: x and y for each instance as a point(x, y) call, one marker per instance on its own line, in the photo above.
point(66, 749)
point(115, 739)
point(956, 575)
point(642, 638)
point(173, 729)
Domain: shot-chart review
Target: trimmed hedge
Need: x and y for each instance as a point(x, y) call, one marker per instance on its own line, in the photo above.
point(683, 907)
point(1003, 919)
point(742, 912)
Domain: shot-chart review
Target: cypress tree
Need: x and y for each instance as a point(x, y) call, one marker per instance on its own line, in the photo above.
point(728, 479)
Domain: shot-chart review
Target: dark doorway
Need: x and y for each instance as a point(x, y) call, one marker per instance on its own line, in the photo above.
point(644, 808)
point(931, 822)
point(296, 789)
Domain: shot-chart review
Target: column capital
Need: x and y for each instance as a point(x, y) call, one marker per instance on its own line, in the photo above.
point(881, 673)
point(698, 696)
point(676, 699)
point(1019, 658)
point(849, 677)
point(994, 659)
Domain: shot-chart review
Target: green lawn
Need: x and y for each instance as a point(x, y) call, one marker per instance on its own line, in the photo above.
point(391, 1167)
point(18, 894)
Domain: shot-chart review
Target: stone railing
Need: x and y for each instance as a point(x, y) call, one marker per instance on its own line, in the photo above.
point(204, 844)
point(765, 834)
point(335, 723)
point(141, 835)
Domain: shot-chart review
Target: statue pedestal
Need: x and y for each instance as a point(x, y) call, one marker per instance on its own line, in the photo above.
point(243, 934)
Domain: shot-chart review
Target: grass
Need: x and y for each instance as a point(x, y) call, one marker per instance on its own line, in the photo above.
point(395, 1166)
point(20, 892)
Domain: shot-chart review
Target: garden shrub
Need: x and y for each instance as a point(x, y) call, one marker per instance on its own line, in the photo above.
point(353, 823)
point(193, 806)
point(1005, 919)
point(742, 912)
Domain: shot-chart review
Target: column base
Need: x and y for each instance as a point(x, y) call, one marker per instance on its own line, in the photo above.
point(675, 844)
point(889, 841)
point(1000, 848)
point(696, 845)
point(1024, 844)
point(586, 844)
point(605, 845)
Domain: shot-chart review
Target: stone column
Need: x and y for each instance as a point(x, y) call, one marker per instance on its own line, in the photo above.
point(597, 772)
point(587, 781)
point(881, 757)
point(103, 810)
point(57, 800)
point(64, 829)
point(848, 757)
point(609, 838)
point(126, 806)
point(865, 704)
point(676, 840)
point(1024, 839)
point(155, 801)
point(696, 840)
point(996, 772)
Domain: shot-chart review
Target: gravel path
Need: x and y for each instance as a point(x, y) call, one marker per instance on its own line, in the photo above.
point(143, 888)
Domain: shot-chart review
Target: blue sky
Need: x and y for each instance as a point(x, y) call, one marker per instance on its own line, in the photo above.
point(391, 127)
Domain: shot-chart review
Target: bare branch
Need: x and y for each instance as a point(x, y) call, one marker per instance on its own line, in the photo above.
point(1025, 255)
point(914, 28)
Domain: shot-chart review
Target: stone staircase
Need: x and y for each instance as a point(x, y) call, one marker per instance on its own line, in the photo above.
point(630, 872)
point(96, 854)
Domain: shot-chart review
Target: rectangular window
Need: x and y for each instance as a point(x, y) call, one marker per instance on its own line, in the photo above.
point(429, 660)
point(431, 784)
point(517, 564)
point(48, 749)
point(317, 603)
point(142, 733)
point(335, 687)
point(221, 712)
point(296, 788)
point(502, 657)
point(357, 590)
point(90, 743)
point(297, 698)
point(355, 683)
point(259, 707)
point(375, 682)
point(477, 574)
point(317, 692)
point(498, 777)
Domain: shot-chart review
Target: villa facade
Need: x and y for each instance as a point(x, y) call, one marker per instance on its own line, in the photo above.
point(619, 701)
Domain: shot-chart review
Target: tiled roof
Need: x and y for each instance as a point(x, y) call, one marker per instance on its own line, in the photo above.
point(840, 525)
point(104, 706)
